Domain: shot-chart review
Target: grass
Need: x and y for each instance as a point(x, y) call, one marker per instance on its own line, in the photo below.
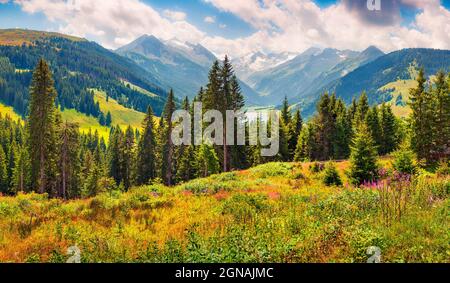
point(277, 212)
point(9, 111)
point(137, 88)
point(400, 89)
point(85, 122)
point(17, 37)
point(121, 115)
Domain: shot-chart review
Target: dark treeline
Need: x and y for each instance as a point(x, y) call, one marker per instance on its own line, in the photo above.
point(48, 155)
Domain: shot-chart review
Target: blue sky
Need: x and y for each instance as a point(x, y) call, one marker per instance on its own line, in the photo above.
point(243, 26)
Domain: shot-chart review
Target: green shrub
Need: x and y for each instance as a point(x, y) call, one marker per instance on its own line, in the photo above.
point(404, 161)
point(331, 175)
point(316, 167)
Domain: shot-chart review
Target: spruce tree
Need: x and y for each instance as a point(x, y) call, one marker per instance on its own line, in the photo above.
point(167, 145)
point(285, 113)
point(295, 128)
point(442, 115)
point(20, 178)
point(146, 158)
point(421, 119)
point(68, 159)
point(389, 134)
point(129, 157)
point(373, 122)
point(208, 162)
point(41, 126)
point(363, 158)
point(4, 188)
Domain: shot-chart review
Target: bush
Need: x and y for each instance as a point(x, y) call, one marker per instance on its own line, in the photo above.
point(443, 168)
point(316, 167)
point(331, 175)
point(404, 161)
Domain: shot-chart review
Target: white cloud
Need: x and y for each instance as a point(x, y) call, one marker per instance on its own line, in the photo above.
point(175, 15)
point(209, 20)
point(222, 26)
point(112, 22)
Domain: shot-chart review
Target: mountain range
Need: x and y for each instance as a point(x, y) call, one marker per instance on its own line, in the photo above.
point(182, 66)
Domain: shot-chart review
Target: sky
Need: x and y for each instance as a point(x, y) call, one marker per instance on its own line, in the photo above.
point(240, 27)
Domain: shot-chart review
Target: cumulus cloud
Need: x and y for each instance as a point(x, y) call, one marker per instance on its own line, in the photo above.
point(113, 22)
point(281, 25)
point(209, 20)
point(295, 25)
point(175, 15)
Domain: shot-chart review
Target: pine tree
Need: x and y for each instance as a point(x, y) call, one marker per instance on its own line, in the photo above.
point(295, 127)
point(108, 119)
point(167, 153)
point(42, 129)
point(421, 119)
point(361, 109)
point(128, 157)
point(20, 179)
point(326, 126)
point(285, 113)
point(373, 122)
point(389, 140)
point(4, 188)
point(363, 158)
point(114, 155)
point(68, 159)
point(208, 162)
point(146, 158)
point(442, 115)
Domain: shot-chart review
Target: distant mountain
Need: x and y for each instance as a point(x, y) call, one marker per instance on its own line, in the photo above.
point(373, 77)
point(306, 71)
point(78, 66)
point(179, 65)
point(251, 63)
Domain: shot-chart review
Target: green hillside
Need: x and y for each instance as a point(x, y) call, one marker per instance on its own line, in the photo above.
point(121, 115)
point(17, 37)
point(77, 65)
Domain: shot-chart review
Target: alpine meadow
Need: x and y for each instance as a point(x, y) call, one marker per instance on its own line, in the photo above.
point(90, 96)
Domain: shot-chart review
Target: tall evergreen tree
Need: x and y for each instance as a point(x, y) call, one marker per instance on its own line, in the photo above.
point(68, 159)
point(20, 179)
point(295, 128)
point(442, 115)
point(4, 187)
point(146, 158)
point(389, 136)
point(167, 154)
point(421, 119)
point(41, 128)
point(373, 122)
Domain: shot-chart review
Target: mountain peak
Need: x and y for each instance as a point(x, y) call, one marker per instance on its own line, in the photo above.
point(373, 50)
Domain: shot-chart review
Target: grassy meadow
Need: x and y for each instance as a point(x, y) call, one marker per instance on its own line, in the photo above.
point(277, 212)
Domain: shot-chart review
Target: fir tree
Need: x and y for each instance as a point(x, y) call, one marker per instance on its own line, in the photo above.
point(146, 158)
point(42, 129)
point(442, 115)
point(167, 153)
point(389, 140)
point(208, 162)
point(421, 119)
point(363, 158)
point(20, 178)
point(373, 122)
point(4, 188)
point(68, 158)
